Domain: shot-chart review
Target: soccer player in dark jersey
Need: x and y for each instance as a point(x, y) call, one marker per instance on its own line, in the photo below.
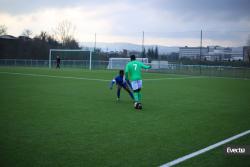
point(58, 62)
point(121, 83)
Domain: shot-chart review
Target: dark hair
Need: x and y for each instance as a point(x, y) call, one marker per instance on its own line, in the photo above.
point(132, 57)
point(121, 72)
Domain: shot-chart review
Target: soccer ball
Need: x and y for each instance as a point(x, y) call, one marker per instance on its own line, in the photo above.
point(138, 106)
point(135, 105)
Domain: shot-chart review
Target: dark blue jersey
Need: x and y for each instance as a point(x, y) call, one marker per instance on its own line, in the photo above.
point(120, 80)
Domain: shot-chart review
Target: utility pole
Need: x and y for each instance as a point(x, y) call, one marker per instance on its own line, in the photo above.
point(143, 44)
point(200, 51)
point(95, 43)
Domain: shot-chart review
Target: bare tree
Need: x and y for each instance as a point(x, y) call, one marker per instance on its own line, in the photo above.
point(64, 32)
point(3, 30)
point(43, 36)
point(27, 33)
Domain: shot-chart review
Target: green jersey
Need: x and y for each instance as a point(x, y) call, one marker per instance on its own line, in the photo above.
point(133, 70)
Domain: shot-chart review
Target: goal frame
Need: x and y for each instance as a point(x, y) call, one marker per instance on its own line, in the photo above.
point(112, 59)
point(71, 50)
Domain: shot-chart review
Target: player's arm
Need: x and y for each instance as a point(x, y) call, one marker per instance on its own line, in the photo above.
point(112, 83)
point(145, 66)
point(126, 72)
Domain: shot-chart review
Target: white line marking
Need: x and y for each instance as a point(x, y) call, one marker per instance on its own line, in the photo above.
point(186, 157)
point(229, 78)
point(89, 79)
point(207, 76)
point(159, 79)
point(105, 80)
point(54, 76)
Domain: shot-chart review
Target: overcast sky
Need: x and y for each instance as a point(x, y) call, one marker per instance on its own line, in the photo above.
point(165, 22)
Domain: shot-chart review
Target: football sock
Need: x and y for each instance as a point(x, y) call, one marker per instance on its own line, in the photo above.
point(136, 96)
point(139, 96)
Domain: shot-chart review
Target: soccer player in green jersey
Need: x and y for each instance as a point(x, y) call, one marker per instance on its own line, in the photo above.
point(133, 73)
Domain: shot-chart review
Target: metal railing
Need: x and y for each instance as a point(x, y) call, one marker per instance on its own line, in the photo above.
point(45, 63)
point(204, 70)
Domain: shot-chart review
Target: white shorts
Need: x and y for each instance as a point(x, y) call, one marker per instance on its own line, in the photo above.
point(136, 84)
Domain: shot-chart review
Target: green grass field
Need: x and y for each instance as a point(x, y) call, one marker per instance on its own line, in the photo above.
point(60, 121)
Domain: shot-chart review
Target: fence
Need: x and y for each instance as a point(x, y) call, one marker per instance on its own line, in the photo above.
point(45, 63)
point(218, 71)
point(204, 70)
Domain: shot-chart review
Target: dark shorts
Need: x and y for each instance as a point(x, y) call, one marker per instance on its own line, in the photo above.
point(122, 85)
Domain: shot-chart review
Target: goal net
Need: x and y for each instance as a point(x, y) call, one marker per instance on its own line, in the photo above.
point(120, 63)
point(71, 58)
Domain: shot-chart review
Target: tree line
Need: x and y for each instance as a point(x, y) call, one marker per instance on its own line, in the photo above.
point(25, 47)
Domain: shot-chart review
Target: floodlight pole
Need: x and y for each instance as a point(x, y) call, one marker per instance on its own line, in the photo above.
point(142, 41)
point(90, 60)
point(142, 46)
point(95, 43)
point(200, 51)
point(201, 45)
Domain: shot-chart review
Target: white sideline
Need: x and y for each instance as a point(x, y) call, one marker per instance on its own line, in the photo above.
point(186, 157)
point(89, 79)
point(105, 80)
point(159, 79)
point(54, 76)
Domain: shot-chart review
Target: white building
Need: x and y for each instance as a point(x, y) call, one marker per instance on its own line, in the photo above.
point(246, 53)
point(237, 54)
point(212, 53)
point(193, 52)
point(218, 53)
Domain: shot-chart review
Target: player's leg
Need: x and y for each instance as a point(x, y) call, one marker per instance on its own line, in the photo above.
point(139, 82)
point(139, 95)
point(129, 92)
point(137, 100)
point(136, 95)
point(118, 93)
point(139, 90)
point(135, 87)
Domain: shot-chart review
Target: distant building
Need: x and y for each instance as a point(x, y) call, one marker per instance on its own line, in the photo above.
point(212, 53)
point(193, 52)
point(237, 54)
point(125, 52)
point(246, 53)
point(218, 53)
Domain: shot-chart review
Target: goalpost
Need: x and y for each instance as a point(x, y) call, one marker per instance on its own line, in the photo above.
point(51, 56)
point(120, 63)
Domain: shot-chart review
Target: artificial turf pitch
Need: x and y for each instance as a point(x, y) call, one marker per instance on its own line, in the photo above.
point(60, 121)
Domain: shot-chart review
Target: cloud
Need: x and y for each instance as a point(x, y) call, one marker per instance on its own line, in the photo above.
point(46, 20)
point(15, 7)
point(225, 21)
point(204, 9)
